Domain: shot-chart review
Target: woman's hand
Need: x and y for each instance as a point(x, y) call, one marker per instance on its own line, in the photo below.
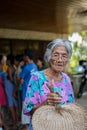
point(53, 98)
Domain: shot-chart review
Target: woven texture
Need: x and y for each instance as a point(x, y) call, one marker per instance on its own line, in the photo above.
point(69, 117)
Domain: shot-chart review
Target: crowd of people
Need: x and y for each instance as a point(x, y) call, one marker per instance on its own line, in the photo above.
point(15, 72)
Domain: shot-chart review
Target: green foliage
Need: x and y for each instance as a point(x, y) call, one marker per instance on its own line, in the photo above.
point(79, 52)
point(83, 34)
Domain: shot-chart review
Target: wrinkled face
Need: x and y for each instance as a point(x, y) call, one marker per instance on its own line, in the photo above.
point(59, 58)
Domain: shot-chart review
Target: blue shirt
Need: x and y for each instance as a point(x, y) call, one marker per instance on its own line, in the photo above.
point(25, 75)
point(2, 74)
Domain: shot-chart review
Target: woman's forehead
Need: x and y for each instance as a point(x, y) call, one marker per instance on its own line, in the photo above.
point(60, 48)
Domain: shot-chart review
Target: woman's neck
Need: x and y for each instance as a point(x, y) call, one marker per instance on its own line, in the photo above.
point(52, 75)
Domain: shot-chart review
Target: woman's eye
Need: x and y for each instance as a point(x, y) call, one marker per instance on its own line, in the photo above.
point(65, 56)
point(55, 55)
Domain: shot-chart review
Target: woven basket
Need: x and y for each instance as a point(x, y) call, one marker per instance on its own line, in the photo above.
point(69, 117)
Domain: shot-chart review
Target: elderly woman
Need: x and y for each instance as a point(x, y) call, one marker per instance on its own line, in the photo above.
point(57, 54)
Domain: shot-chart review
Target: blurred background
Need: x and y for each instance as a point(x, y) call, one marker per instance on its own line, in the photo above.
point(32, 24)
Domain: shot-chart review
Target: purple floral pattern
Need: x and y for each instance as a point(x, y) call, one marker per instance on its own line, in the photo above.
point(37, 90)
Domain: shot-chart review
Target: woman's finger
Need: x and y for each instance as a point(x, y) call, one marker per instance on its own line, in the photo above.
point(50, 102)
point(54, 99)
point(53, 96)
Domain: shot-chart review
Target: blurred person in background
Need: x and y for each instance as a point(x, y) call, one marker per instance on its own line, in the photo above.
point(25, 75)
point(19, 63)
point(3, 101)
point(12, 102)
point(40, 63)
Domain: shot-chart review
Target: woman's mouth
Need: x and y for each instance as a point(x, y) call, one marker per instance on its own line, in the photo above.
point(57, 63)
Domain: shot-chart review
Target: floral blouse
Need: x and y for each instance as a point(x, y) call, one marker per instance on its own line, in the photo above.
point(37, 90)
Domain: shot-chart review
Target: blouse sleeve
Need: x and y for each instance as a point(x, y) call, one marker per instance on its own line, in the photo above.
point(32, 98)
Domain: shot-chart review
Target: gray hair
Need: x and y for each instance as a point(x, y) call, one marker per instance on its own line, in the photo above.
point(51, 46)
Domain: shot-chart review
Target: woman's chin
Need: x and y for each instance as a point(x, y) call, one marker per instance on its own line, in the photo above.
point(59, 69)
